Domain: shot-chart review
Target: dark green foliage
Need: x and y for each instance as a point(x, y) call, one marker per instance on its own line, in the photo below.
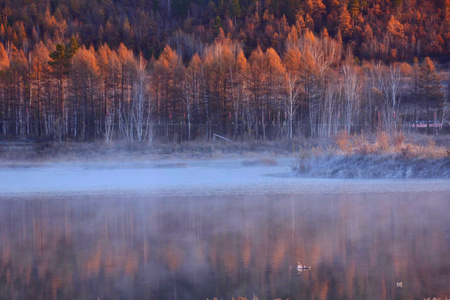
point(429, 84)
point(235, 9)
point(429, 87)
point(353, 8)
point(217, 26)
point(396, 3)
point(61, 57)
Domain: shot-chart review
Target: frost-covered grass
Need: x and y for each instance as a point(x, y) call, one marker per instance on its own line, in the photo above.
point(381, 156)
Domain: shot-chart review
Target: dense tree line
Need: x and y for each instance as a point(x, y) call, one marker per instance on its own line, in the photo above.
point(314, 87)
point(376, 29)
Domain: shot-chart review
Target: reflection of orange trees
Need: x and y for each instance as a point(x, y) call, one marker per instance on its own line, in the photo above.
point(172, 256)
point(278, 254)
point(356, 248)
point(322, 290)
point(224, 253)
point(230, 261)
point(56, 285)
point(5, 252)
point(91, 265)
point(112, 261)
point(212, 257)
point(246, 254)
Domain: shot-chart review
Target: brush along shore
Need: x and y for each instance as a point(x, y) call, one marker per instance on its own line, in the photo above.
point(384, 156)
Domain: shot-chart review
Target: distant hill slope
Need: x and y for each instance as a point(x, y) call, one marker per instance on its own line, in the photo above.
point(380, 29)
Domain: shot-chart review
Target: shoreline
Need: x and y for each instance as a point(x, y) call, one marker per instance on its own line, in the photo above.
point(374, 166)
point(59, 152)
point(344, 156)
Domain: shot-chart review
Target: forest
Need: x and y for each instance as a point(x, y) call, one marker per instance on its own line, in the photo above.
point(78, 70)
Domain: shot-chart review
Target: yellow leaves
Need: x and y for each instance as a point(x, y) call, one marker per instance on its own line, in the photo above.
point(319, 6)
point(292, 60)
point(292, 38)
point(40, 57)
point(447, 11)
point(256, 58)
point(241, 63)
point(168, 60)
point(125, 56)
point(368, 33)
point(195, 66)
point(104, 55)
point(49, 20)
point(406, 69)
point(324, 33)
point(395, 28)
point(308, 62)
point(427, 66)
point(84, 61)
point(273, 61)
point(309, 36)
point(218, 59)
point(4, 60)
point(17, 60)
point(256, 63)
point(345, 24)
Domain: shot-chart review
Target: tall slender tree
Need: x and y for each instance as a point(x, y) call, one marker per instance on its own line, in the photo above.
point(429, 86)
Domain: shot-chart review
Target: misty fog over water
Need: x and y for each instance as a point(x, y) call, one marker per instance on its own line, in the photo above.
point(219, 228)
point(192, 177)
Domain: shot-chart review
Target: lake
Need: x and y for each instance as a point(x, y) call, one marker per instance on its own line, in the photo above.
point(222, 228)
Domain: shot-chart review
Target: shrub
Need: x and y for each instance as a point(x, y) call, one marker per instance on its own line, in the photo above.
point(343, 142)
point(365, 149)
point(303, 161)
point(362, 145)
point(407, 151)
point(431, 145)
point(383, 141)
point(399, 138)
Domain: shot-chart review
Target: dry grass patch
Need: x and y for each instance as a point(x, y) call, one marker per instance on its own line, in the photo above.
point(344, 142)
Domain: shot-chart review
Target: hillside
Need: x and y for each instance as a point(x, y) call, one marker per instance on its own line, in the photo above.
point(377, 29)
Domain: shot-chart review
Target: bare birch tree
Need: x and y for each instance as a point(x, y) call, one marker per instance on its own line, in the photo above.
point(141, 106)
point(351, 87)
point(388, 86)
point(291, 62)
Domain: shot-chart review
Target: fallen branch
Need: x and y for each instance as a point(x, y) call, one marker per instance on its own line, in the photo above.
point(223, 138)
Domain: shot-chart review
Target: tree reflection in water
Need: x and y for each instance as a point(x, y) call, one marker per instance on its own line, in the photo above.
point(358, 246)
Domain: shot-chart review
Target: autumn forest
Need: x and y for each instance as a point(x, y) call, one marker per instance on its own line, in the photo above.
point(178, 70)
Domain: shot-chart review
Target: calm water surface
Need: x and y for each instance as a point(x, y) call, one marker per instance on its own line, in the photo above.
point(359, 245)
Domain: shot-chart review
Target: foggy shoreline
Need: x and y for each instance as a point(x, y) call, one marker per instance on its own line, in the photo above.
point(19, 153)
point(369, 166)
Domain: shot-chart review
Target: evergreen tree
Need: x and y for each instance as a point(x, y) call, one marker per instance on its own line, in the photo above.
point(429, 86)
point(353, 8)
point(217, 26)
point(60, 64)
point(396, 3)
point(62, 56)
point(235, 9)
